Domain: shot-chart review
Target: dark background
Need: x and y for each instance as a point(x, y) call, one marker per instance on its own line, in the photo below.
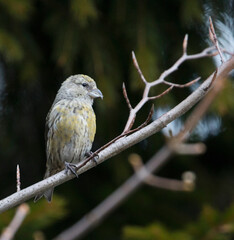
point(44, 42)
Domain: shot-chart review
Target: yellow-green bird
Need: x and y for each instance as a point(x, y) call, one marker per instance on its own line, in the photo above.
point(70, 126)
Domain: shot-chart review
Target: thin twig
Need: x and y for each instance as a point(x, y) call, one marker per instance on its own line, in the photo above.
point(97, 215)
point(138, 68)
point(101, 211)
point(148, 85)
point(126, 97)
point(20, 214)
point(126, 133)
point(16, 222)
point(146, 121)
point(199, 111)
point(207, 52)
point(187, 148)
point(18, 183)
point(162, 94)
point(95, 154)
point(182, 85)
point(119, 146)
point(214, 39)
point(185, 44)
point(156, 181)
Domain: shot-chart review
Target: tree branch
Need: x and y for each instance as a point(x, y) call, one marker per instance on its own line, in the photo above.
point(160, 182)
point(161, 80)
point(96, 216)
point(20, 214)
point(214, 39)
point(122, 144)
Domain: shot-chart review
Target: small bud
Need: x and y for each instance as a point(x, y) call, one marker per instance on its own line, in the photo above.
point(189, 180)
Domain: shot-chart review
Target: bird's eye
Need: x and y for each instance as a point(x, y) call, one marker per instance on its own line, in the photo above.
point(85, 84)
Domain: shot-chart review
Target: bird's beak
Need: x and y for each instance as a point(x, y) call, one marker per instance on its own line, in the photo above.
point(95, 93)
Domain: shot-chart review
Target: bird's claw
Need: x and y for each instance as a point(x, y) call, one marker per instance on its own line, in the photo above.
point(94, 158)
point(72, 168)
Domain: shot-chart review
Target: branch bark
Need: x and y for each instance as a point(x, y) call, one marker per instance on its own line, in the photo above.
point(97, 215)
point(120, 145)
point(94, 217)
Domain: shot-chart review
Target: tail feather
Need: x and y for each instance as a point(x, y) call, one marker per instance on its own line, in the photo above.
point(47, 194)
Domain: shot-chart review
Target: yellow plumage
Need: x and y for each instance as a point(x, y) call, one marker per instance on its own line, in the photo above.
point(71, 125)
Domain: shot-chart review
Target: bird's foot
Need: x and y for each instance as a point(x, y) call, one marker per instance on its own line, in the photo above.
point(71, 167)
point(95, 156)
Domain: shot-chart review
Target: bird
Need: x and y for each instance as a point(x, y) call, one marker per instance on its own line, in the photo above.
point(70, 126)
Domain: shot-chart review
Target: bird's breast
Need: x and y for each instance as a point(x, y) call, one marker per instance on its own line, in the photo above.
point(69, 119)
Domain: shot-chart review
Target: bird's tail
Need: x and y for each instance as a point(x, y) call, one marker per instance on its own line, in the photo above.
point(47, 194)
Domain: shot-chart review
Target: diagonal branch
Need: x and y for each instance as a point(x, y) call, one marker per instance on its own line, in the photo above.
point(125, 143)
point(200, 111)
point(97, 215)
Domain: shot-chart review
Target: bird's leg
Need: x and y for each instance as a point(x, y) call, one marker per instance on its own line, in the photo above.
point(72, 167)
point(95, 156)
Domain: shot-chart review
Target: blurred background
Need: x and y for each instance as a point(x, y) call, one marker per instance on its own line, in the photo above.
point(42, 43)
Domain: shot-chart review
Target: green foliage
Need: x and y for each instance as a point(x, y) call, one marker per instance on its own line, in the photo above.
point(211, 225)
point(18, 10)
point(224, 104)
point(190, 12)
point(10, 48)
point(41, 215)
point(42, 43)
point(83, 11)
point(154, 231)
point(148, 64)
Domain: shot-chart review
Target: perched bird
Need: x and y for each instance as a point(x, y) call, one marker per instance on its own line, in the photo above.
point(70, 126)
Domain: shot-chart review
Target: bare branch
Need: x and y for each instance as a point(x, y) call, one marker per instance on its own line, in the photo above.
point(119, 146)
point(185, 148)
point(185, 44)
point(208, 52)
point(162, 94)
point(166, 183)
point(126, 97)
point(96, 216)
point(202, 107)
point(214, 39)
point(189, 180)
point(131, 124)
point(16, 222)
point(160, 80)
point(163, 155)
point(182, 85)
point(20, 214)
point(144, 123)
point(93, 155)
point(18, 183)
point(155, 181)
point(138, 68)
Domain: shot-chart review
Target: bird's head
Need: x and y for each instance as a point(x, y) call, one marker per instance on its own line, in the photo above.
point(79, 86)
